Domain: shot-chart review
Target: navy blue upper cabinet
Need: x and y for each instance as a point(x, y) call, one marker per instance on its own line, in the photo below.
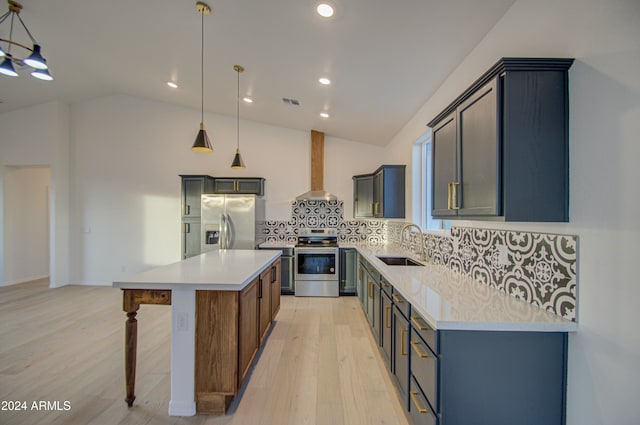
point(380, 194)
point(501, 149)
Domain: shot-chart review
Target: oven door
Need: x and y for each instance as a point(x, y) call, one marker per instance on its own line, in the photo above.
point(316, 263)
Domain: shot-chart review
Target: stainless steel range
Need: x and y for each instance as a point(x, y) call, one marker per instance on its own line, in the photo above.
point(317, 263)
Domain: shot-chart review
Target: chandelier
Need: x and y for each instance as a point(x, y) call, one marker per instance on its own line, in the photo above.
point(34, 60)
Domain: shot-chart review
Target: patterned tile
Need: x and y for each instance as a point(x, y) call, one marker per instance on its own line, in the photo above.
point(537, 268)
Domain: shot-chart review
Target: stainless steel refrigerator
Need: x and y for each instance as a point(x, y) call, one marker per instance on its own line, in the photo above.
point(231, 222)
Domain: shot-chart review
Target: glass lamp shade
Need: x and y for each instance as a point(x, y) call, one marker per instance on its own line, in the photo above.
point(202, 143)
point(237, 163)
point(36, 60)
point(6, 68)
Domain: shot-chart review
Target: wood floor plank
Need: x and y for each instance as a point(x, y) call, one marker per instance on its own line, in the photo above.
point(320, 364)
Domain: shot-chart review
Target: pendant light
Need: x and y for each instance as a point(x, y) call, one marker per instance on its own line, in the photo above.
point(238, 163)
point(202, 143)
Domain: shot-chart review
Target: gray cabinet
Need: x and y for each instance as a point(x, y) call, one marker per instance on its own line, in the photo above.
point(362, 285)
point(287, 283)
point(401, 335)
point(192, 188)
point(363, 196)
point(389, 191)
point(380, 194)
point(500, 150)
point(386, 329)
point(244, 186)
point(348, 271)
point(372, 301)
point(190, 237)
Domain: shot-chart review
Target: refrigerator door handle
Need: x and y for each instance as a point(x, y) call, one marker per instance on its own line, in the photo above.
point(223, 231)
point(228, 231)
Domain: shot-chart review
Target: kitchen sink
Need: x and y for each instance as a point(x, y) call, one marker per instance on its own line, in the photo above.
point(399, 261)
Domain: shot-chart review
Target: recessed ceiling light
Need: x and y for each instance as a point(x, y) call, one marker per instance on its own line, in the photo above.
point(324, 115)
point(247, 99)
point(325, 9)
point(324, 81)
point(172, 84)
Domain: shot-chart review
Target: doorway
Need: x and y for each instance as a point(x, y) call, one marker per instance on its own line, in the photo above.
point(26, 224)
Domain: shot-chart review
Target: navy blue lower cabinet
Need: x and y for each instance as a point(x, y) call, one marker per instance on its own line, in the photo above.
point(386, 329)
point(419, 410)
point(401, 353)
point(501, 378)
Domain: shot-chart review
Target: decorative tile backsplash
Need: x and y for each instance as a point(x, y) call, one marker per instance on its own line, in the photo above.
point(537, 268)
point(325, 214)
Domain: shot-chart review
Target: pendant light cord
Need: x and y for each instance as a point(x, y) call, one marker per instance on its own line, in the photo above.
point(238, 112)
point(202, 72)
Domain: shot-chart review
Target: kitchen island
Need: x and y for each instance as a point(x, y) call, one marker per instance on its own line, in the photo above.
point(222, 305)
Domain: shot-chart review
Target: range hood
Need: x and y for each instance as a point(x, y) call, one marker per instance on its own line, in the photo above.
point(317, 192)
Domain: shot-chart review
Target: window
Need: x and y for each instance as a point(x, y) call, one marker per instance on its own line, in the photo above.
point(421, 180)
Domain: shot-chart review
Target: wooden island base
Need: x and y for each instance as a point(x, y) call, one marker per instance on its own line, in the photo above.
point(230, 326)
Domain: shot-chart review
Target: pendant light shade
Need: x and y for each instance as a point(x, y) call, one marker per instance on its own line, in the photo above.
point(237, 160)
point(238, 163)
point(36, 60)
point(202, 143)
point(6, 68)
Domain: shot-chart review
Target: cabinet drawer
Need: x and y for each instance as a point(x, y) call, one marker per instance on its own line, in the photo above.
point(419, 410)
point(424, 368)
point(386, 286)
point(426, 332)
point(401, 303)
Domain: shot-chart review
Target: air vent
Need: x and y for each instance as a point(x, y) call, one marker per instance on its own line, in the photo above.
point(292, 102)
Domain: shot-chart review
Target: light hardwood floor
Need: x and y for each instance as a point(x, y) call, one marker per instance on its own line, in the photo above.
point(320, 364)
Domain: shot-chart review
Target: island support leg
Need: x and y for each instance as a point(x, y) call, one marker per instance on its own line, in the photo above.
point(130, 345)
point(131, 300)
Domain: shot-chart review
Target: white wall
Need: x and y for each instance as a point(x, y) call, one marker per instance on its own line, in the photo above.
point(128, 153)
point(39, 136)
point(26, 224)
point(604, 37)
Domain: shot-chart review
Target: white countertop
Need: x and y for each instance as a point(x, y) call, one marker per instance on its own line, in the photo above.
point(449, 300)
point(224, 270)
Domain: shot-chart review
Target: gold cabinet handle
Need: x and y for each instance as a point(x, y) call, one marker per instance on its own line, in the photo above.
point(418, 349)
point(371, 208)
point(235, 185)
point(403, 332)
point(369, 291)
point(416, 402)
point(387, 316)
point(419, 323)
point(454, 195)
point(449, 206)
point(397, 299)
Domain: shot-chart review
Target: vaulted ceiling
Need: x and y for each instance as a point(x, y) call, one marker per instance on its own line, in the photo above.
point(384, 58)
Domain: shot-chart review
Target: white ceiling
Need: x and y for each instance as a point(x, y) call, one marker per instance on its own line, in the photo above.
point(385, 58)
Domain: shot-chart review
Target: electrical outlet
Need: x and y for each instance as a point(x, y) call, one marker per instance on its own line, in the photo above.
point(182, 322)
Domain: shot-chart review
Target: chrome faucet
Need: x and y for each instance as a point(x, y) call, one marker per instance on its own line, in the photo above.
point(423, 256)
